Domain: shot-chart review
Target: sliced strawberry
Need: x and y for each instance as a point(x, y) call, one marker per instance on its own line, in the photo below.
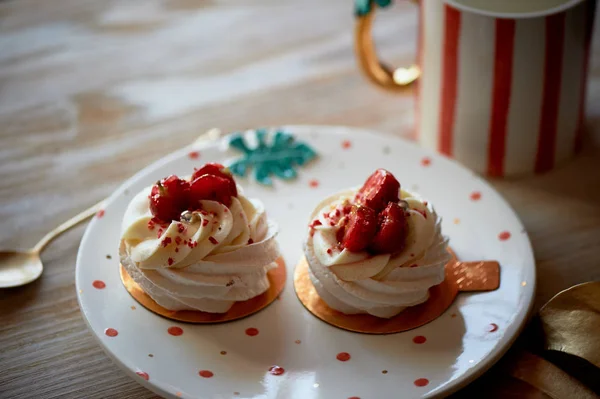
point(379, 189)
point(361, 228)
point(216, 169)
point(391, 232)
point(169, 197)
point(210, 187)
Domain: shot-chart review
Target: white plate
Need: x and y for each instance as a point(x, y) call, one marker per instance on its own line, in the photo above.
point(458, 348)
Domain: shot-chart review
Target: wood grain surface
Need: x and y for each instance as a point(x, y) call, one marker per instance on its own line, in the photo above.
point(92, 91)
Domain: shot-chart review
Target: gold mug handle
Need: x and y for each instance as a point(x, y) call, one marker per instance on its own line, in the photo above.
point(377, 72)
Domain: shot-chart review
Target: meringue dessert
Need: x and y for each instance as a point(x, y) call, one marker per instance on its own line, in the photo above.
point(198, 244)
point(375, 250)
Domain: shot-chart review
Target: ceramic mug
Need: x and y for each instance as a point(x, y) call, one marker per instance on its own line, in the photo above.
point(500, 84)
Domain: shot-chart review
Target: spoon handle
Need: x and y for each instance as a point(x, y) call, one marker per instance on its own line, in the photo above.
point(74, 221)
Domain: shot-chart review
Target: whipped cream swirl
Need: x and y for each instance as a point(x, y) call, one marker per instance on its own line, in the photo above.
point(381, 285)
point(222, 255)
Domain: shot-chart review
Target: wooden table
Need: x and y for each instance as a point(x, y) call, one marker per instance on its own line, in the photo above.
point(91, 91)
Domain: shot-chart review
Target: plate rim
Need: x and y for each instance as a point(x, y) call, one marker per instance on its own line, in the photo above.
point(504, 343)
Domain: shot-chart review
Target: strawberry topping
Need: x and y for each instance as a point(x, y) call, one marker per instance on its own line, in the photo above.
point(361, 228)
point(379, 189)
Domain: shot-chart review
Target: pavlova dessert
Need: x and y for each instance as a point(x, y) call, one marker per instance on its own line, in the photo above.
point(198, 243)
point(375, 250)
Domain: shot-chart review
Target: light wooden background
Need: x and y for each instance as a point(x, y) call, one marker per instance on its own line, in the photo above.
point(93, 90)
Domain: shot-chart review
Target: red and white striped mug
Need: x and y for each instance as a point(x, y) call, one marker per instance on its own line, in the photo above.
point(500, 83)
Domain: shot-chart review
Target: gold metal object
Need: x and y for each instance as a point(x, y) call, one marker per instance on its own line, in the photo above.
point(276, 277)
point(571, 322)
point(377, 72)
point(22, 267)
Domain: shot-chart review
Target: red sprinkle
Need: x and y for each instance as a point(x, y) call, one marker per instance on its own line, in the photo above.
point(353, 397)
point(313, 183)
point(276, 370)
point(151, 224)
point(426, 161)
point(100, 213)
point(205, 222)
point(178, 240)
point(192, 244)
point(329, 251)
point(194, 155)
point(346, 144)
point(315, 223)
point(175, 331)
point(143, 375)
point(180, 227)
point(166, 241)
point(205, 373)
point(421, 382)
point(213, 240)
point(160, 231)
point(250, 241)
point(421, 212)
point(170, 261)
point(343, 356)
point(492, 327)
point(505, 235)
point(252, 332)
point(99, 284)
point(419, 339)
point(203, 212)
point(225, 210)
point(111, 332)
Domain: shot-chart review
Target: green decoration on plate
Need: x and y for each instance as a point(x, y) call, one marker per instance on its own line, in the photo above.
point(363, 7)
point(279, 157)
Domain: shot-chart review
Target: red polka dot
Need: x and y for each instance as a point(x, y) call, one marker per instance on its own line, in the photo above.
point(421, 382)
point(426, 161)
point(346, 144)
point(111, 332)
point(505, 235)
point(313, 183)
point(419, 339)
point(194, 155)
point(143, 375)
point(99, 284)
point(343, 356)
point(100, 213)
point(492, 327)
point(475, 196)
point(252, 331)
point(276, 370)
point(205, 373)
point(175, 331)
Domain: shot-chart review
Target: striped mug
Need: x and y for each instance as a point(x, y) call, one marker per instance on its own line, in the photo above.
point(500, 84)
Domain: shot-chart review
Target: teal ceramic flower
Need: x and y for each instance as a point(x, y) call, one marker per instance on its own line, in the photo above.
point(279, 157)
point(363, 7)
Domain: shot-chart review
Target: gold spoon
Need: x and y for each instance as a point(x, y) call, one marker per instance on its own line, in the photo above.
point(22, 267)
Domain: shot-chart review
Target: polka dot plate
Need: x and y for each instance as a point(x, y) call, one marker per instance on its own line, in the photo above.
point(284, 351)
